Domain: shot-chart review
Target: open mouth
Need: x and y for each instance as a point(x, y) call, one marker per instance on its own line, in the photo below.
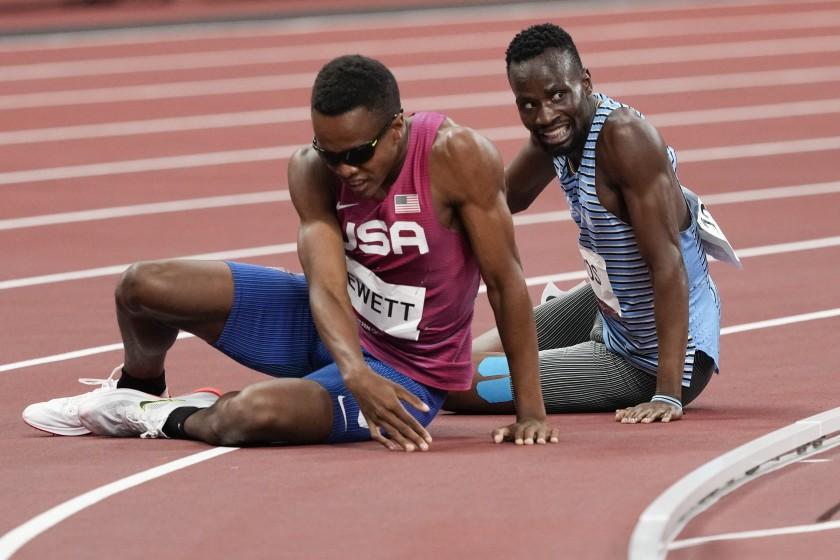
point(555, 134)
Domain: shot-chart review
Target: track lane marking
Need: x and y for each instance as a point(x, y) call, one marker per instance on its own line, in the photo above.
point(22, 534)
point(472, 68)
point(269, 117)
point(19, 536)
point(238, 58)
point(757, 534)
point(281, 153)
point(184, 33)
point(531, 281)
point(282, 195)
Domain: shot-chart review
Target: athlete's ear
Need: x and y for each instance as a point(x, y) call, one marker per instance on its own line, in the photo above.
point(587, 81)
point(400, 125)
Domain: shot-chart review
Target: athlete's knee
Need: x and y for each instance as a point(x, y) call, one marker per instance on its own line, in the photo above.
point(268, 414)
point(142, 284)
point(241, 418)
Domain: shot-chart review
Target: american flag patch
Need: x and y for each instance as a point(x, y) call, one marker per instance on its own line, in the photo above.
point(406, 203)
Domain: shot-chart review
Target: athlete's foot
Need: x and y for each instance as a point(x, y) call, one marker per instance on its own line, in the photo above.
point(126, 412)
point(60, 416)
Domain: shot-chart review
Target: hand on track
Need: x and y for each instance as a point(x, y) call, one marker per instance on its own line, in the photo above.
point(379, 400)
point(648, 412)
point(527, 432)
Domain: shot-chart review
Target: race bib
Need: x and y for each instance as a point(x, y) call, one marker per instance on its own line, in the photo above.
point(391, 308)
point(596, 274)
point(712, 239)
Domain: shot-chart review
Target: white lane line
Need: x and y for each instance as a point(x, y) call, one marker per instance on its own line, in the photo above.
point(761, 533)
point(530, 281)
point(19, 536)
point(473, 68)
point(301, 114)
point(247, 253)
point(802, 318)
point(282, 195)
point(146, 209)
point(284, 152)
point(815, 461)
point(281, 153)
point(180, 34)
point(16, 538)
point(72, 355)
point(150, 164)
point(405, 45)
point(269, 250)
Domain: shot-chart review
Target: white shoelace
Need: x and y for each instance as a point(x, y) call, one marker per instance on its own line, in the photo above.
point(104, 385)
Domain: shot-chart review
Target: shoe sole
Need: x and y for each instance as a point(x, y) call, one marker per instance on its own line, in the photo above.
point(81, 431)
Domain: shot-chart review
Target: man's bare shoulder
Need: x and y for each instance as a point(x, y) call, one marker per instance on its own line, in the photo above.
point(625, 128)
point(306, 170)
point(465, 165)
point(454, 142)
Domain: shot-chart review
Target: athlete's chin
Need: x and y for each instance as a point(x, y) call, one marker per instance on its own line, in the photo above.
point(364, 188)
point(562, 147)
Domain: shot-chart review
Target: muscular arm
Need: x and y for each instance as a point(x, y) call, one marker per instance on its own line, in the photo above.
point(527, 175)
point(634, 159)
point(467, 171)
point(321, 252)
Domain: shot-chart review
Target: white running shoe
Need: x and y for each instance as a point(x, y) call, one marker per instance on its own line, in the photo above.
point(61, 416)
point(126, 412)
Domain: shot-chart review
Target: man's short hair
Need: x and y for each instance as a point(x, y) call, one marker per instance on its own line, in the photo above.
point(352, 81)
point(535, 40)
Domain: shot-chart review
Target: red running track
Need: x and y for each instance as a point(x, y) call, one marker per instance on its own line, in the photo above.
point(776, 64)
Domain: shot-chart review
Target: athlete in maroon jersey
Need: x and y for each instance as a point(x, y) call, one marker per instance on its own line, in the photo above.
point(398, 216)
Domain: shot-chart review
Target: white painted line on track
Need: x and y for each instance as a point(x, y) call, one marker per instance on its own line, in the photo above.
point(282, 195)
point(179, 34)
point(461, 69)
point(757, 534)
point(279, 153)
point(63, 357)
point(495, 40)
point(19, 536)
point(225, 201)
point(530, 281)
point(268, 250)
point(802, 318)
point(16, 538)
point(247, 253)
point(301, 114)
point(24, 533)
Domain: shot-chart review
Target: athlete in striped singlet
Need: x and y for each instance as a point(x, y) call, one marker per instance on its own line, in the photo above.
point(640, 337)
point(398, 216)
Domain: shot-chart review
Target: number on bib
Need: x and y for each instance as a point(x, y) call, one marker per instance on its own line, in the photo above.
point(596, 274)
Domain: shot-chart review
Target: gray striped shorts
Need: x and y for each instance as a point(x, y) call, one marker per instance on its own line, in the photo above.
point(577, 371)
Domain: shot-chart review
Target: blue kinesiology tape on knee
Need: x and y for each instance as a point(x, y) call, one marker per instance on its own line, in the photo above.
point(495, 390)
point(493, 365)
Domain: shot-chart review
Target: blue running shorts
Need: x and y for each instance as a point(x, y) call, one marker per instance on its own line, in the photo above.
point(270, 329)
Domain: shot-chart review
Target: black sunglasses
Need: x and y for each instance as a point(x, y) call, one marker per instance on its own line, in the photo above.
point(359, 154)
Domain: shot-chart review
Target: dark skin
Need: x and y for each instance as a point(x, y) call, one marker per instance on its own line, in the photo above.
point(156, 300)
point(634, 181)
point(466, 176)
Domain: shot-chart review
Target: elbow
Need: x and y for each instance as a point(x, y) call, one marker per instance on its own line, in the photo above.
point(517, 203)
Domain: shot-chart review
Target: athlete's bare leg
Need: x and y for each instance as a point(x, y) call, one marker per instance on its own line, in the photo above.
point(157, 299)
point(275, 410)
